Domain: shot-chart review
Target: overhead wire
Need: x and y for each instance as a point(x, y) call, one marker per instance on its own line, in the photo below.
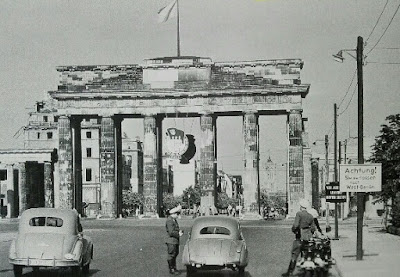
point(348, 104)
point(384, 62)
point(384, 7)
point(384, 32)
point(348, 89)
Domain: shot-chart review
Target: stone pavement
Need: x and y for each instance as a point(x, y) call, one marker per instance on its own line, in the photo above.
point(381, 250)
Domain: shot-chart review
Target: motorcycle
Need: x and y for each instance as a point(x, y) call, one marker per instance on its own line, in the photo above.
point(316, 257)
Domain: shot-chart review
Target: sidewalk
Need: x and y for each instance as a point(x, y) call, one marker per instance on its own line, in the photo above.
point(381, 250)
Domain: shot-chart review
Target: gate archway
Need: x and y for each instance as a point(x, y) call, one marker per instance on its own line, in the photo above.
point(191, 86)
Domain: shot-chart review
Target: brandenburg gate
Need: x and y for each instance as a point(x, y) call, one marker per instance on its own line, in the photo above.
point(168, 87)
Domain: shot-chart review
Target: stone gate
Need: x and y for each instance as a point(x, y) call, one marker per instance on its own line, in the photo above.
point(166, 87)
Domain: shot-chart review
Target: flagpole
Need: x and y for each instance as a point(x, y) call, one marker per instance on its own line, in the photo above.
point(177, 23)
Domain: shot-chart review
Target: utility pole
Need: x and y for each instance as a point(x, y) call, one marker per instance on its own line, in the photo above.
point(326, 182)
point(335, 167)
point(360, 195)
point(340, 161)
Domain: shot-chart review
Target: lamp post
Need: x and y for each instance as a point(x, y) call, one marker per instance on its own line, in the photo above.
point(360, 195)
point(189, 202)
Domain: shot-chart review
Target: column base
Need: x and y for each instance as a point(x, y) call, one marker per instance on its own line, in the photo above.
point(207, 206)
point(105, 216)
point(148, 216)
point(250, 216)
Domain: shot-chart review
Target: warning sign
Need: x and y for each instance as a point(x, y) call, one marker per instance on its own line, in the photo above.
point(360, 177)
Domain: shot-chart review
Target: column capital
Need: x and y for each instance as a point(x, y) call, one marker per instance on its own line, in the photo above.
point(106, 113)
point(118, 118)
point(64, 116)
point(150, 114)
point(250, 111)
point(296, 111)
point(205, 113)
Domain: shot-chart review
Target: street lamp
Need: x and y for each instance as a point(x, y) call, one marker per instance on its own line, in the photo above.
point(339, 56)
point(360, 195)
point(189, 202)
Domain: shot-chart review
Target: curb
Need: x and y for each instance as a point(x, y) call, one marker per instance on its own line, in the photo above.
point(338, 270)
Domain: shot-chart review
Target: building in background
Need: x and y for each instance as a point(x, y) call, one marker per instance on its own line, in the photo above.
point(29, 176)
point(132, 151)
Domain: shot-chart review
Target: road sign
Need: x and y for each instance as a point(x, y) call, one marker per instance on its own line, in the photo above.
point(333, 194)
point(360, 177)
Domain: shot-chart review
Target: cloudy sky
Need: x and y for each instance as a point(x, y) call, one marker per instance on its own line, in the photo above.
point(36, 36)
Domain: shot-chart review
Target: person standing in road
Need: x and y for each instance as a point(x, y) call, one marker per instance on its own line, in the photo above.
point(172, 240)
point(303, 227)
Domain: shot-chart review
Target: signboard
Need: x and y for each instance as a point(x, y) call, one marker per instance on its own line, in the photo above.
point(360, 177)
point(333, 194)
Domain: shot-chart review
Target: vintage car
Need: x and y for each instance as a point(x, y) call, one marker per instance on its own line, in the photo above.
point(215, 242)
point(49, 237)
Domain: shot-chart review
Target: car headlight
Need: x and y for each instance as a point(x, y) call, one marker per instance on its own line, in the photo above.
point(69, 256)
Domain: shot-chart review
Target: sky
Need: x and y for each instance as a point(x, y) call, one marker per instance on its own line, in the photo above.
point(36, 36)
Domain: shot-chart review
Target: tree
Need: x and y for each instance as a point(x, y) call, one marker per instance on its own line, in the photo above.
point(195, 196)
point(267, 200)
point(170, 201)
point(131, 200)
point(223, 201)
point(386, 151)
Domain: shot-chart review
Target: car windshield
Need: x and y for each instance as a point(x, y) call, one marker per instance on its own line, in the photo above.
point(217, 230)
point(46, 221)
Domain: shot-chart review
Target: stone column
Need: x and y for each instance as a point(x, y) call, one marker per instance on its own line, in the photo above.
point(150, 166)
point(159, 131)
point(10, 192)
point(107, 167)
point(296, 167)
point(119, 165)
point(316, 201)
point(306, 162)
point(77, 163)
point(22, 188)
point(251, 178)
point(48, 185)
point(66, 191)
point(206, 167)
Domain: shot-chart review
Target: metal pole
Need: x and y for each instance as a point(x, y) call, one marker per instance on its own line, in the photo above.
point(326, 181)
point(335, 167)
point(360, 195)
point(340, 161)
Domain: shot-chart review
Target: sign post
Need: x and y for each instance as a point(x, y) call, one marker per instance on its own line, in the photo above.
point(360, 178)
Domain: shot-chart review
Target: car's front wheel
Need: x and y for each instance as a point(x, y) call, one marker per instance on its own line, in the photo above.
point(76, 270)
point(17, 270)
point(241, 271)
point(190, 270)
point(85, 268)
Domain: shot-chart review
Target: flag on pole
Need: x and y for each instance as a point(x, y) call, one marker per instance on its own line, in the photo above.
point(167, 12)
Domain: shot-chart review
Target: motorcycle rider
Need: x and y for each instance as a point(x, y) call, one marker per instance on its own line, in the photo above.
point(303, 227)
point(315, 215)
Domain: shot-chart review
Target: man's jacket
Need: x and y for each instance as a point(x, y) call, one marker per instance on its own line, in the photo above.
point(172, 231)
point(304, 222)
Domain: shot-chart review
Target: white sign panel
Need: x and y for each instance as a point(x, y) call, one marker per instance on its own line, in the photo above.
point(360, 177)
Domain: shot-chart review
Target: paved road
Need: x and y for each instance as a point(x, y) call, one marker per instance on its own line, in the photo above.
point(131, 247)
